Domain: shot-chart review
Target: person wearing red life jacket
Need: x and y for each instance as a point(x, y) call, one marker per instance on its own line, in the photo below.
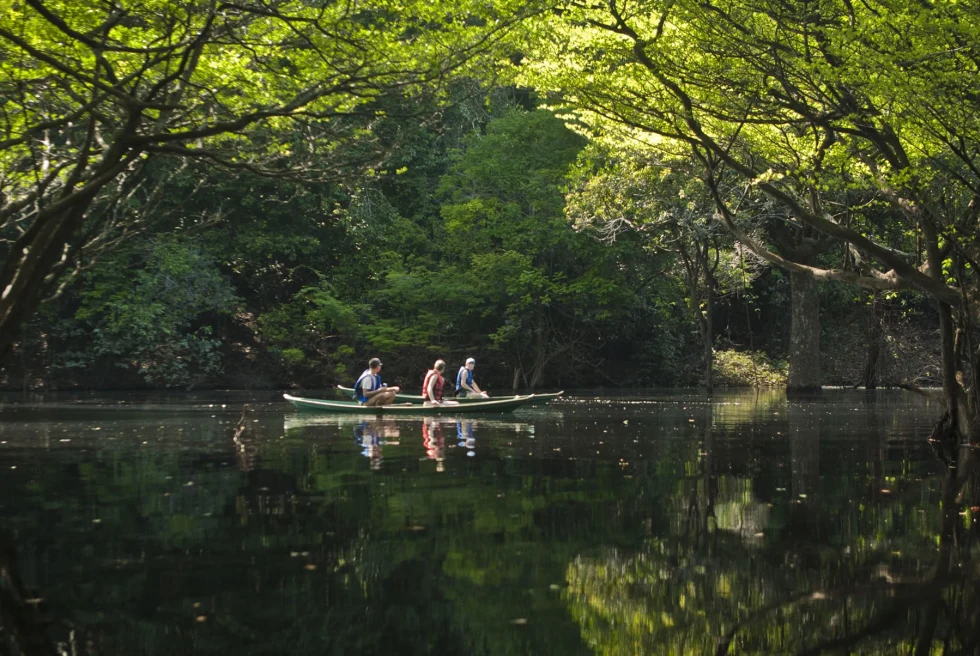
point(433, 384)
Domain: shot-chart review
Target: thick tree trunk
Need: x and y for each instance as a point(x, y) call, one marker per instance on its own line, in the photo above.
point(804, 349)
point(29, 262)
point(37, 252)
point(959, 421)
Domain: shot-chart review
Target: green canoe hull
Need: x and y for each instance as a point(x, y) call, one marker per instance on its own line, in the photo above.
point(417, 398)
point(413, 409)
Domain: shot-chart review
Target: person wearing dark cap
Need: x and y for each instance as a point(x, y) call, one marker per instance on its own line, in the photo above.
point(369, 389)
point(465, 385)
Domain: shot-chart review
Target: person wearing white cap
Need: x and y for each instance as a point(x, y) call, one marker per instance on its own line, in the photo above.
point(465, 385)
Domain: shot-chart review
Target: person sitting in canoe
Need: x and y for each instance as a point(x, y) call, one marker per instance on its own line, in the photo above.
point(466, 387)
point(369, 390)
point(433, 384)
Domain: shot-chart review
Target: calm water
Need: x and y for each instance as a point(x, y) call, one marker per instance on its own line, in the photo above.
point(654, 524)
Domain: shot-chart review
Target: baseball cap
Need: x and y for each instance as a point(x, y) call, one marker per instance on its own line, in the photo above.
point(375, 362)
point(470, 361)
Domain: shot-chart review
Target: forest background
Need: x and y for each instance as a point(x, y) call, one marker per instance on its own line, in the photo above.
point(461, 217)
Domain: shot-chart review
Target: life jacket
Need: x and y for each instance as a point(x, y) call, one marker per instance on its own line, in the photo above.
point(459, 379)
point(358, 392)
point(440, 381)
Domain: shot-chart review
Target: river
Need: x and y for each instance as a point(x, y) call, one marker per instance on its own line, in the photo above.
point(658, 523)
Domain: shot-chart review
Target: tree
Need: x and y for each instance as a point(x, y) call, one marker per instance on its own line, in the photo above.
point(544, 288)
point(780, 95)
point(667, 206)
point(93, 92)
point(147, 305)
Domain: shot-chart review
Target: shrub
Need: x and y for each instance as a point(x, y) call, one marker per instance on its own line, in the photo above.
point(748, 369)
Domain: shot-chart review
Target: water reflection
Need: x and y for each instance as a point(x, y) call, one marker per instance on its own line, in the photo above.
point(434, 442)
point(659, 524)
point(372, 435)
point(464, 436)
point(375, 436)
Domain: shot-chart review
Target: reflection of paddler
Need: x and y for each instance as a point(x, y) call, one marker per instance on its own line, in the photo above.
point(366, 434)
point(464, 437)
point(387, 429)
point(433, 441)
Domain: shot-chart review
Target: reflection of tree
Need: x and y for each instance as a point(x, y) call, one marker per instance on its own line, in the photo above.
point(701, 504)
point(740, 407)
point(22, 631)
point(306, 547)
point(730, 595)
point(671, 600)
point(192, 553)
point(804, 448)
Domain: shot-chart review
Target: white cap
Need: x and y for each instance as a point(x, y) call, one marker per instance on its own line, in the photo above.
point(470, 361)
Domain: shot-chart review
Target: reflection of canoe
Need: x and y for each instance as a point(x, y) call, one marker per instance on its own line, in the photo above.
point(299, 420)
point(350, 407)
point(417, 398)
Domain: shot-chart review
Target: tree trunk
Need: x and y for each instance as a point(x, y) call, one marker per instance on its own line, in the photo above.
point(36, 253)
point(537, 377)
point(540, 349)
point(29, 262)
point(959, 421)
point(708, 335)
point(695, 267)
point(876, 328)
point(804, 349)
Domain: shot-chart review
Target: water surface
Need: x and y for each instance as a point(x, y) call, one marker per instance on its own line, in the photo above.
point(660, 523)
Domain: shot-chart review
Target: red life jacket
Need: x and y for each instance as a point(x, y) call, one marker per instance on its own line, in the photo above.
point(439, 383)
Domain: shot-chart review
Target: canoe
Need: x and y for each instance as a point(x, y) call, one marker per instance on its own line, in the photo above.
point(417, 398)
point(544, 397)
point(351, 407)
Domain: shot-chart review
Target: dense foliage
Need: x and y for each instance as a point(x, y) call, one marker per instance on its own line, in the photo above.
point(486, 233)
point(270, 194)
